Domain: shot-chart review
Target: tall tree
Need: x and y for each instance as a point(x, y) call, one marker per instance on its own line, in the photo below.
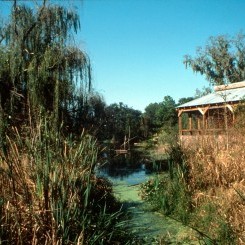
point(41, 68)
point(150, 115)
point(221, 61)
point(161, 114)
point(122, 121)
point(166, 113)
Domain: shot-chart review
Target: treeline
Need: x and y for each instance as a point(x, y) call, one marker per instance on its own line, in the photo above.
point(119, 121)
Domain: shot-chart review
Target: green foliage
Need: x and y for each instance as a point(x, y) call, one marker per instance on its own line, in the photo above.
point(121, 121)
point(225, 233)
point(161, 114)
point(168, 136)
point(166, 113)
point(169, 192)
point(151, 115)
point(90, 115)
point(185, 100)
point(40, 67)
point(167, 196)
point(222, 61)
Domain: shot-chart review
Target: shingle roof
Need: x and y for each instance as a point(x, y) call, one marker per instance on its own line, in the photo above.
point(218, 97)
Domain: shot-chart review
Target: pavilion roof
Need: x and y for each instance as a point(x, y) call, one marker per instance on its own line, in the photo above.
point(223, 94)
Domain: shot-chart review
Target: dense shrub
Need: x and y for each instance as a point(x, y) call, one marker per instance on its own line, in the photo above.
point(168, 191)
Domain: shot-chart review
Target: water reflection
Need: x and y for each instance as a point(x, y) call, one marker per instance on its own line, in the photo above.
point(131, 176)
point(129, 168)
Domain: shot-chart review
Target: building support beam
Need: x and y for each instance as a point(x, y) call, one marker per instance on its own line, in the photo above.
point(180, 124)
point(190, 123)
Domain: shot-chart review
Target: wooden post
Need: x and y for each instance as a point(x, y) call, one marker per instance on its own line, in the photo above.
point(180, 124)
point(180, 121)
point(204, 122)
point(198, 125)
point(190, 123)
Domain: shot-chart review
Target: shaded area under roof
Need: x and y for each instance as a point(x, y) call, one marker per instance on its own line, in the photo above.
point(218, 97)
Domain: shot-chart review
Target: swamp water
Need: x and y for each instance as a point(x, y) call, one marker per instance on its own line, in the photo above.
point(151, 227)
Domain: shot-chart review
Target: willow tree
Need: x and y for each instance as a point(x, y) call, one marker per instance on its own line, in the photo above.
point(221, 61)
point(41, 68)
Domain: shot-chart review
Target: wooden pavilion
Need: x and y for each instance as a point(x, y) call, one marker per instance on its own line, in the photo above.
point(212, 114)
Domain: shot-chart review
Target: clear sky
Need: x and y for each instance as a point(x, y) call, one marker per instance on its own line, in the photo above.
point(137, 46)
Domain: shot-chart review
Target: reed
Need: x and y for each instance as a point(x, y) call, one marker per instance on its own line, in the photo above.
point(49, 193)
point(216, 179)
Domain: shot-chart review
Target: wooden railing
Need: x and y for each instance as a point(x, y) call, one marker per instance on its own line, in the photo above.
point(201, 131)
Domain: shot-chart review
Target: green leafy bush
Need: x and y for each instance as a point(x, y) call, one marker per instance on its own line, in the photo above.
point(168, 196)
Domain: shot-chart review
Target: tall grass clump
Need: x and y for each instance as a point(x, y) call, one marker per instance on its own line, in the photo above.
point(216, 180)
point(50, 195)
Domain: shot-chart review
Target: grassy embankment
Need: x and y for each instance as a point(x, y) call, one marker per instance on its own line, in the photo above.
point(204, 188)
point(50, 195)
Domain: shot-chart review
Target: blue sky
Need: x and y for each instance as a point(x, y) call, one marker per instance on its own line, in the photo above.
point(136, 47)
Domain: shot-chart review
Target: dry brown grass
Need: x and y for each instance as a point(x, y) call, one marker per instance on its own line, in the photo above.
point(45, 186)
point(217, 176)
